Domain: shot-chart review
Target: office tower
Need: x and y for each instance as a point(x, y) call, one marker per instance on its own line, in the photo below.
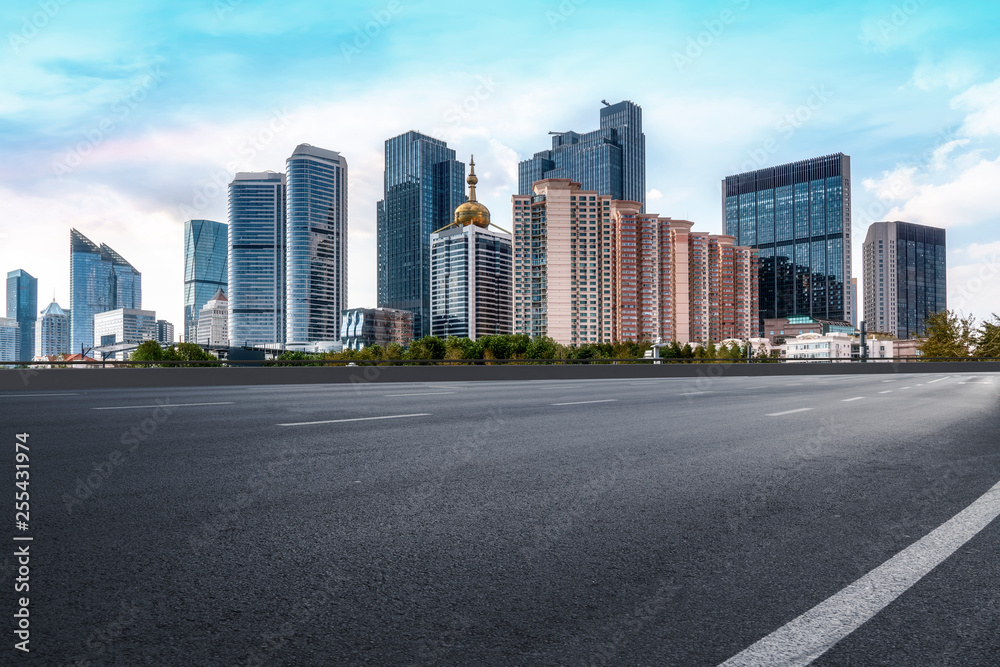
point(213, 322)
point(316, 245)
point(799, 218)
point(904, 268)
point(125, 328)
point(165, 332)
point(854, 300)
point(100, 280)
point(364, 327)
point(257, 202)
point(423, 187)
point(10, 340)
point(22, 305)
point(206, 268)
point(471, 272)
point(590, 269)
point(610, 161)
point(52, 332)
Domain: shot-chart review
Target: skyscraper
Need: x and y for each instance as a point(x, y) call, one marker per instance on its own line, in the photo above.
point(165, 333)
point(213, 321)
point(100, 280)
point(610, 161)
point(799, 217)
point(22, 305)
point(905, 277)
point(206, 268)
point(52, 332)
point(10, 340)
point(257, 258)
point(316, 245)
point(589, 269)
point(423, 187)
point(471, 272)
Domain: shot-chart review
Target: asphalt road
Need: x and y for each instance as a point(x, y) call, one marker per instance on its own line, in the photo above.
point(611, 522)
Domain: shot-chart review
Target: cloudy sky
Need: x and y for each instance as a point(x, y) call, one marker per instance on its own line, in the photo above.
point(125, 119)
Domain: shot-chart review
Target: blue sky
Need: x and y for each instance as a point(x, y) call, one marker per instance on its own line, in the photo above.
point(123, 119)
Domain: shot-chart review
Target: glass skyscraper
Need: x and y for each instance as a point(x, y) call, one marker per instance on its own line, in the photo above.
point(905, 271)
point(423, 187)
point(316, 251)
point(610, 161)
point(100, 280)
point(206, 268)
point(257, 259)
point(22, 305)
point(799, 218)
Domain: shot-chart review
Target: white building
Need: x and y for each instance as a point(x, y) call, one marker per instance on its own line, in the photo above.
point(165, 332)
point(52, 332)
point(120, 331)
point(213, 322)
point(10, 339)
point(819, 346)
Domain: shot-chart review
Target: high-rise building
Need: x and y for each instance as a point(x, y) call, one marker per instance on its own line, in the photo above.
point(213, 321)
point(124, 327)
point(165, 333)
point(364, 327)
point(905, 277)
point(100, 280)
point(798, 216)
point(854, 300)
point(471, 273)
point(22, 305)
point(52, 332)
point(257, 210)
point(610, 161)
point(206, 268)
point(590, 269)
point(423, 187)
point(316, 245)
point(10, 340)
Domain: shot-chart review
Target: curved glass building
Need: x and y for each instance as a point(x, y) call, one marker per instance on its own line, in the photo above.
point(316, 236)
point(257, 259)
point(100, 280)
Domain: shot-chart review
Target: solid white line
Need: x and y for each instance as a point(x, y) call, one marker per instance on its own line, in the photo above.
point(857, 398)
point(428, 393)
point(30, 395)
point(809, 636)
point(165, 405)
point(607, 400)
point(694, 393)
point(886, 392)
point(939, 379)
point(356, 419)
point(789, 412)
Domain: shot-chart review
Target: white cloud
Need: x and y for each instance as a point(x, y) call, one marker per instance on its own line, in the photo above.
point(653, 195)
point(983, 104)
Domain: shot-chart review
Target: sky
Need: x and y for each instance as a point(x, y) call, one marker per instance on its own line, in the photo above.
point(123, 120)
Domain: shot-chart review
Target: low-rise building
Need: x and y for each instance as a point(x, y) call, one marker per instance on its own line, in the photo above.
point(364, 327)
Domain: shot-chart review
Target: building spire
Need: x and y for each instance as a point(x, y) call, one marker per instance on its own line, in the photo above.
point(473, 179)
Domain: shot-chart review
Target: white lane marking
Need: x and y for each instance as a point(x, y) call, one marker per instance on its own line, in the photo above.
point(856, 398)
point(607, 400)
point(888, 380)
point(694, 393)
point(760, 387)
point(424, 393)
point(356, 419)
point(907, 387)
point(789, 412)
point(165, 405)
point(886, 392)
point(29, 395)
point(809, 636)
point(939, 379)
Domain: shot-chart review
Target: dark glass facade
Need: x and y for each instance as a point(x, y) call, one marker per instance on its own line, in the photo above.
point(424, 184)
point(257, 259)
point(22, 305)
point(610, 161)
point(100, 280)
point(316, 270)
point(921, 277)
point(206, 268)
point(798, 217)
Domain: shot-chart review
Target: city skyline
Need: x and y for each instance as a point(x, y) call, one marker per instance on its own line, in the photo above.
point(912, 96)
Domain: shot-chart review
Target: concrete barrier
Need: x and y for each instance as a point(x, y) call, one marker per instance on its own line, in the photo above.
point(123, 378)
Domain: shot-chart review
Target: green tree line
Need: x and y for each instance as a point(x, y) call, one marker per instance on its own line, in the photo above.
point(952, 335)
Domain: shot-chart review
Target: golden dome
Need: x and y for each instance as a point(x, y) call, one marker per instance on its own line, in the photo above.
point(472, 212)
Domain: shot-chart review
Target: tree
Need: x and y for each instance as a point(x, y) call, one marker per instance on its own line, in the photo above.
point(949, 335)
point(988, 339)
point(148, 351)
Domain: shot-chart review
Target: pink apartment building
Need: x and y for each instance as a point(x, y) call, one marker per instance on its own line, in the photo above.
point(589, 269)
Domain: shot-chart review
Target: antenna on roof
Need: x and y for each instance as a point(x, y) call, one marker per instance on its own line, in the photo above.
point(605, 103)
